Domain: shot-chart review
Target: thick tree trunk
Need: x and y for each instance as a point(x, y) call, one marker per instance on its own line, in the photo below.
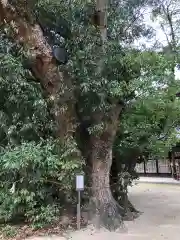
point(104, 208)
point(118, 189)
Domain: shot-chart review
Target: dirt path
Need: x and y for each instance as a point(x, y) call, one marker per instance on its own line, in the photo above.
point(160, 220)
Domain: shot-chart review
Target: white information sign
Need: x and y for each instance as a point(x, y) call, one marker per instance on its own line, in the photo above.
point(79, 182)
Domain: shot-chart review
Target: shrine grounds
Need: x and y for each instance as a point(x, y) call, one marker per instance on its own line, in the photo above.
point(160, 204)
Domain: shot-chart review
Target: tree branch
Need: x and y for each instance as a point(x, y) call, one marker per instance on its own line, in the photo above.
point(165, 136)
point(57, 85)
point(172, 43)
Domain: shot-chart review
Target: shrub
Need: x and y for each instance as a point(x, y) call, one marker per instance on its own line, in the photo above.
point(8, 231)
point(44, 215)
point(35, 180)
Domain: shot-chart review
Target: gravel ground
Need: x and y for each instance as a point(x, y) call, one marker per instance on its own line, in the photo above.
point(160, 204)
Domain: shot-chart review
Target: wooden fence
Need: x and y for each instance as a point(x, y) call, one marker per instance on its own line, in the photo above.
point(168, 166)
point(154, 167)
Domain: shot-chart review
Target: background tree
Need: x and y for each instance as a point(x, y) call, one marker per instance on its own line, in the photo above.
point(148, 124)
point(166, 15)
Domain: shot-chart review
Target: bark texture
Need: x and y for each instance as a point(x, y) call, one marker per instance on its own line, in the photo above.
point(104, 209)
point(130, 212)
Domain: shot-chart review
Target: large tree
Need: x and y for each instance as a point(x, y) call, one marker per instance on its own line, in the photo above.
point(86, 97)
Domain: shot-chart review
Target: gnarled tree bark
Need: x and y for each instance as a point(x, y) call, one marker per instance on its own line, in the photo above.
point(104, 209)
point(130, 212)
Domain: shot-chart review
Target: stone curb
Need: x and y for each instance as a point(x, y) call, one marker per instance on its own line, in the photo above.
point(157, 182)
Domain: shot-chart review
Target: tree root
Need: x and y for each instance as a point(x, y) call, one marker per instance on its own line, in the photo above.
point(106, 214)
point(131, 213)
point(110, 214)
point(131, 207)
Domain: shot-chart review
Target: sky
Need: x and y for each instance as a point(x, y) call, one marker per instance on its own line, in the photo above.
point(159, 36)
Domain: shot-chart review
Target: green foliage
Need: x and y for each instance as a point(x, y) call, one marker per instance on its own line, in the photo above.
point(148, 125)
point(119, 63)
point(33, 176)
point(43, 216)
point(8, 231)
point(150, 122)
point(37, 172)
point(23, 111)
